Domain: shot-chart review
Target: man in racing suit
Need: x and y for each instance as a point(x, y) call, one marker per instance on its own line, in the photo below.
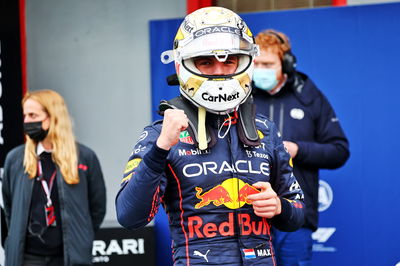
point(221, 173)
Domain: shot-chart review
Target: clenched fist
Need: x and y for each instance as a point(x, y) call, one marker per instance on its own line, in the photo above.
point(174, 122)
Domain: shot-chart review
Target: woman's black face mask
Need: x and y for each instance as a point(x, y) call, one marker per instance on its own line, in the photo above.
point(35, 131)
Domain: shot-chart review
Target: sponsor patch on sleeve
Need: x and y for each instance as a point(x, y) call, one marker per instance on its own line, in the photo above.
point(295, 203)
point(126, 178)
point(132, 164)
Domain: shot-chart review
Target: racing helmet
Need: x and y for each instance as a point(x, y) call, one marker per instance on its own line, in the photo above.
point(218, 32)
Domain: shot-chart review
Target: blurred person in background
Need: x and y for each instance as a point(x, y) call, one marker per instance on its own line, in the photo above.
point(310, 130)
point(220, 171)
point(53, 189)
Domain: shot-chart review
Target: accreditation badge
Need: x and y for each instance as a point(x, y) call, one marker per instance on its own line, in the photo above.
point(50, 215)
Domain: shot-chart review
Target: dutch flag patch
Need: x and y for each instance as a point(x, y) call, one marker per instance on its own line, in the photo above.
point(249, 253)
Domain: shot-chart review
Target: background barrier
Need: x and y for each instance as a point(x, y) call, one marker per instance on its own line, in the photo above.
point(118, 246)
point(11, 87)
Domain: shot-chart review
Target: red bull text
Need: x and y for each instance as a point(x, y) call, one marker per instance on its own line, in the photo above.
point(197, 227)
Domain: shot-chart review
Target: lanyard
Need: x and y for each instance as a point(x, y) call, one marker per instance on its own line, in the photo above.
point(47, 188)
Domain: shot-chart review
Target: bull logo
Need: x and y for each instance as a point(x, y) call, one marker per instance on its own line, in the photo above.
point(232, 193)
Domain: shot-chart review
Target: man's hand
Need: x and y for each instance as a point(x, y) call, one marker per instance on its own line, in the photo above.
point(292, 147)
point(175, 121)
point(266, 204)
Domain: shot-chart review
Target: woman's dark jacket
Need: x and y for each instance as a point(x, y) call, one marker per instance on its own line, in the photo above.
point(82, 205)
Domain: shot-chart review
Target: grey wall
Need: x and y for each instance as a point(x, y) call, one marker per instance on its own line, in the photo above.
point(96, 54)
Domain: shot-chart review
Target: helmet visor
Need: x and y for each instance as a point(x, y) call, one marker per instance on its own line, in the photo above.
point(235, 64)
point(214, 40)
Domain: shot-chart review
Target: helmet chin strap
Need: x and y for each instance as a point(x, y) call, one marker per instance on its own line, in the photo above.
point(201, 116)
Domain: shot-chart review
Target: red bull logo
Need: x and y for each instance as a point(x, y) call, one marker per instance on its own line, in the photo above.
point(217, 195)
point(232, 193)
point(245, 191)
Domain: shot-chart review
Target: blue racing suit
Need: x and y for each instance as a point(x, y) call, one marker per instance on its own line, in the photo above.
point(204, 193)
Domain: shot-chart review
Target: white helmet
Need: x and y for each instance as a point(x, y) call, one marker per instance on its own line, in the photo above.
point(219, 32)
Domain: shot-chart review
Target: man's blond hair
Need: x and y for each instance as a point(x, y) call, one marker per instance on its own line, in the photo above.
point(275, 41)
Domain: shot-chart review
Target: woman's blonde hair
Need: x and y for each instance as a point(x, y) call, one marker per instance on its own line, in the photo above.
point(60, 134)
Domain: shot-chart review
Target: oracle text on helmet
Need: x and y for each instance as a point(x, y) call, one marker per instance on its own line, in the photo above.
point(216, 29)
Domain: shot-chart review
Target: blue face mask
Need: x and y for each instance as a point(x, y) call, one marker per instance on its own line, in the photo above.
point(265, 78)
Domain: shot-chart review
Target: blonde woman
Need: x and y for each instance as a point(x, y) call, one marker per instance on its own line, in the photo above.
point(53, 189)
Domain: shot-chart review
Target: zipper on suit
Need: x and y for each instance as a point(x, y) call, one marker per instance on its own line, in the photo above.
point(271, 109)
point(281, 117)
point(236, 222)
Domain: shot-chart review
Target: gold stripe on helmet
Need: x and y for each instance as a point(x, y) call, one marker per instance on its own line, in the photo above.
point(244, 81)
point(192, 85)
